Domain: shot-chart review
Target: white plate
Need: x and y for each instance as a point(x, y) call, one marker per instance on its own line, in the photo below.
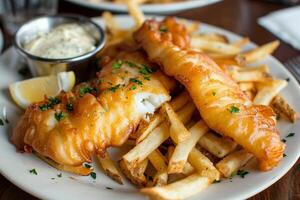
point(15, 166)
point(147, 8)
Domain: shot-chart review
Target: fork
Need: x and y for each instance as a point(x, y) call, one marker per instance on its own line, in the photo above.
point(293, 65)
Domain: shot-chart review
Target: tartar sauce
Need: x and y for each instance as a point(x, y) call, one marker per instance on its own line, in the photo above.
point(64, 41)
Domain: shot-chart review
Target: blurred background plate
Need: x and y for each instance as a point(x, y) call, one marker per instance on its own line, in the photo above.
point(1, 41)
point(166, 8)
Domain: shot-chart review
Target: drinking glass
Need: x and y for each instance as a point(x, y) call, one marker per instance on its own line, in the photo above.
point(16, 12)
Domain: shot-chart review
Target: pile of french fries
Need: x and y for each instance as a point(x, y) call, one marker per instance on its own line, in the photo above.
point(175, 155)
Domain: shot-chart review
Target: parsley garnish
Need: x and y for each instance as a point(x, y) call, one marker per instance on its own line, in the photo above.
point(133, 87)
point(60, 116)
point(52, 102)
point(242, 173)
point(93, 175)
point(114, 88)
point(145, 70)
point(87, 165)
point(109, 188)
point(69, 107)
point(117, 65)
point(217, 181)
point(234, 109)
point(59, 175)
point(134, 80)
point(1, 122)
point(290, 135)
point(283, 140)
point(147, 78)
point(214, 93)
point(33, 171)
point(284, 155)
point(287, 79)
point(84, 90)
point(163, 29)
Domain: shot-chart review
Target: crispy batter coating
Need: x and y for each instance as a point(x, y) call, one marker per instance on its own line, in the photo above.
point(222, 104)
point(97, 114)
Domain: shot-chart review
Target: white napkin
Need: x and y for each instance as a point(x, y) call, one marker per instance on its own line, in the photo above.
point(285, 24)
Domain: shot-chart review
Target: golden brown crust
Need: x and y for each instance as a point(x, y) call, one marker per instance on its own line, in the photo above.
point(223, 106)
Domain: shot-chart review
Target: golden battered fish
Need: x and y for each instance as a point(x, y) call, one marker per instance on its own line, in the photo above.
point(222, 104)
point(97, 114)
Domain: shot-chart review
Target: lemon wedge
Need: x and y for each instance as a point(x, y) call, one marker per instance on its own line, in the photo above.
point(33, 90)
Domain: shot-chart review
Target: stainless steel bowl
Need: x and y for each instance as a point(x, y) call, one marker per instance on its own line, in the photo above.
point(45, 66)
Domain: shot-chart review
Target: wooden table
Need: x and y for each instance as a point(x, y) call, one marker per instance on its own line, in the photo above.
point(239, 16)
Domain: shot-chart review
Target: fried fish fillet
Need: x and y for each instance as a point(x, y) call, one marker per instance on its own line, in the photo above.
point(222, 104)
point(97, 114)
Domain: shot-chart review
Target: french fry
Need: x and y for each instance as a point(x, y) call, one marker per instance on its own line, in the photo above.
point(241, 42)
point(283, 107)
point(136, 174)
point(182, 189)
point(203, 165)
point(217, 146)
point(214, 46)
point(185, 114)
point(250, 76)
point(135, 12)
point(212, 37)
point(157, 160)
point(146, 127)
point(178, 132)
point(267, 91)
point(179, 101)
point(191, 27)
point(188, 169)
point(257, 53)
point(109, 168)
point(142, 150)
point(182, 149)
point(110, 23)
point(247, 86)
point(80, 170)
point(233, 162)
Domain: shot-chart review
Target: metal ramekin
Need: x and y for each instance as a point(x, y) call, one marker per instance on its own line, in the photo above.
point(46, 66)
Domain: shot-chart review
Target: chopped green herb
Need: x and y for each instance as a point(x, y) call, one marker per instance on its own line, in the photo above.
point(114, 88)
point(283, 140)
point(217, 181)
point(242, 173)
point(52, 102)
point(130, 64)
point(117, 65)
point(145, 70)
point(87, 165)
point(69, 107)
point(133, 87)
point(59, 175)
point(1, 122)
point(84, 90)
point(59, 116)
point(110, 83)
point(99, 81)
point(163, 29)
point(290, 135)
point(109, 188)
point(93, 175)
point(234, 109)
point(33, 171)
point(287, 79)
point(284, 155)
point(214, 93)
point(126, 72)
point(134, 80)
point(147, 78)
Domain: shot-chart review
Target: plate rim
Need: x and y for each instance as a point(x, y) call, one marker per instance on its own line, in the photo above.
point(250, 193)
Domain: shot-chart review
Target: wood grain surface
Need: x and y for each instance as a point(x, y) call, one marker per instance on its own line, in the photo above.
point(239, 16)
